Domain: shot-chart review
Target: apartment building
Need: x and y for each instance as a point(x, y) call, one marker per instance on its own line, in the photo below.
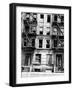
point(42, 42)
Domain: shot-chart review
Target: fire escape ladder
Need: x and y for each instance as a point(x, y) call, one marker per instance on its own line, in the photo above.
point(59, 31)
point(27, 37)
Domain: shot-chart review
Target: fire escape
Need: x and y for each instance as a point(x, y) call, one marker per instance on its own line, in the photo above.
point(29, 34)
point(58, 38)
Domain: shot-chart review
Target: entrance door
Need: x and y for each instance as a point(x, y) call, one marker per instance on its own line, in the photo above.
point(27, 60)
point(59, 62)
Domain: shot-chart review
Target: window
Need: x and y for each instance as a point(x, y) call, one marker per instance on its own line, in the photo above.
point(40, 43)
point(41, 32)
point(33, 29)
point(41, 16)
point(38, 58)
point(55, 43)
point(27, 16)
point(62, 18)
point(25, 42)
point(48, 33)
point(33, 42)
point(54, 31)
point(41, 28)
point(34, 15)
point(55, 17)
point(49, 59)
point(61, 43)
point(47, 43)
point(48, 18)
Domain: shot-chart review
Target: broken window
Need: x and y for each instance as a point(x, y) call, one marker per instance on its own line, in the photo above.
point(38, 58)
point(40, 43)
point(48, 18)
point(47, 43)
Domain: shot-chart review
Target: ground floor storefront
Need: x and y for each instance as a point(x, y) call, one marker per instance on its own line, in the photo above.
point(43, 61)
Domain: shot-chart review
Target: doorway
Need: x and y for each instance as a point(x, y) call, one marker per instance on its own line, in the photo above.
point(27, 61)
point(59, 62)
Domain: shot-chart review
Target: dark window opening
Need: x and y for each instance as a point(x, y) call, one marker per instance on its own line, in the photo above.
point(48, 44)
point(40, 43)
point(34, 31)
point(33, 42)
point(62, 24)
point(55, 18)
point(55, 43)
point(34, 19)
point(27, 18)
point(41, 32)
point(34, 14)
point(48, 33)
point(26, 28)
point(24, 43)
point(42, 16)
point(27, 13)
point(62, 18)
point(48, 18)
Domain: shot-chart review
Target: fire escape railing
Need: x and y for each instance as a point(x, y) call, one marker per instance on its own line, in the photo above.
point(56, 25)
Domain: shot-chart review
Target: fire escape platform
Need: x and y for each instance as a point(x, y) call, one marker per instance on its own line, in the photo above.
point(57, 49)
point(55, 36)
point(28, 49)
